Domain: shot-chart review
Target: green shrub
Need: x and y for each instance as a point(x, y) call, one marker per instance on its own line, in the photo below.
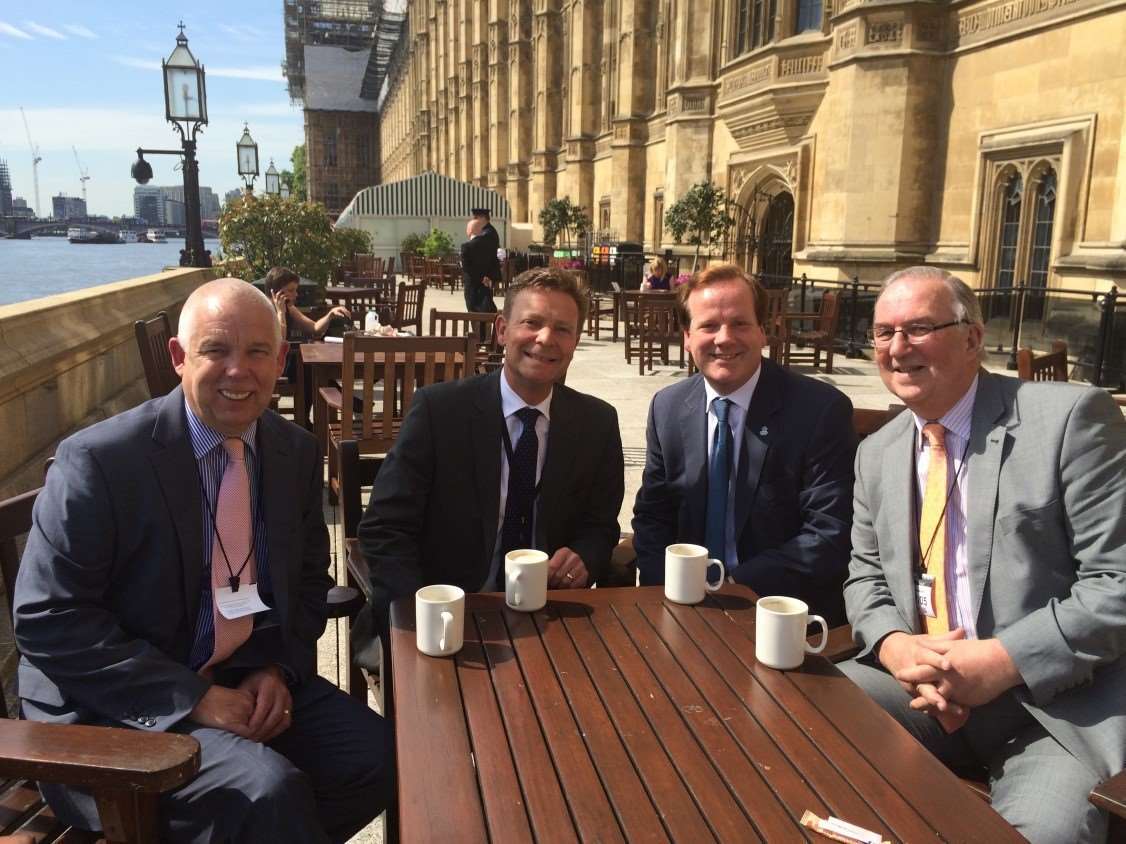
point(412, 244)
point(438, 244)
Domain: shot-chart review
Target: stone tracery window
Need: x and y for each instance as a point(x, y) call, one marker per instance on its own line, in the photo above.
point(1045, 212)
point(1007, 239)
point(809, 15)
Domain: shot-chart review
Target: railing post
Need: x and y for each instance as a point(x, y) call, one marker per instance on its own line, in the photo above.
point(1102, 342)
point(804, 281)
point(1018, 318)
point(853, 351)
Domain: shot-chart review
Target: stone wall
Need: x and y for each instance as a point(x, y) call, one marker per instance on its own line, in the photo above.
point(70, 360)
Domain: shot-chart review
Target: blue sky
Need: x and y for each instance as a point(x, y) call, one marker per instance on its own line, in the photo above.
point(88, 75)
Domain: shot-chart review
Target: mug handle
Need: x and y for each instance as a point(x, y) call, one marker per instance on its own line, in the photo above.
point(514, 578)
point(715, 587)
point(824, 636)
point(447, 622)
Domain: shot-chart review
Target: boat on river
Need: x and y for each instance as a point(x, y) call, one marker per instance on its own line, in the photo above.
point(79, 234)
point(153, 236)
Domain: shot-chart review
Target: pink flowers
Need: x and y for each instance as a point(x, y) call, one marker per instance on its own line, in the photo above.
point(683, 278)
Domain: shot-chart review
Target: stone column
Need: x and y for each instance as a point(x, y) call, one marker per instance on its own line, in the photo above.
point(548, 58)
point(691, 99)
point(521, 76)
point(498, 86)
point(635, 80)
point(585, 95)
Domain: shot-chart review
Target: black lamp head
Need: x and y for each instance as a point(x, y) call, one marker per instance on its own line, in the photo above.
point(141, 170)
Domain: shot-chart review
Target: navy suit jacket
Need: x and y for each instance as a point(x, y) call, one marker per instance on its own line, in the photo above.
point(793, 491)
point(108, 590)
point(435, 504)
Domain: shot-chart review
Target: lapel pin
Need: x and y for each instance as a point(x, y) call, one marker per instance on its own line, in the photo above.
point(763, 431)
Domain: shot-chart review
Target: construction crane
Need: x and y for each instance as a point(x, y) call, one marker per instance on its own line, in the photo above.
point(35, 159)
point(83, 174)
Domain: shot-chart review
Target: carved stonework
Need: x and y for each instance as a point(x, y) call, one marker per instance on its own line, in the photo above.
point(846, 38)
point(884, 32)
point(929, 30)
point(801, 66)
point(753, 77)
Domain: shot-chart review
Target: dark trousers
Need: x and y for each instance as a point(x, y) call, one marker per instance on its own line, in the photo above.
point(323, 779)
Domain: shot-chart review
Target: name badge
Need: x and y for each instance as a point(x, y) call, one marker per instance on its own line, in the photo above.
point(245, 601)
point(924, 595)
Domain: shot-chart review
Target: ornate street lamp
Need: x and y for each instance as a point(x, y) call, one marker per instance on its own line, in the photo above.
point(247, 158)
point(285, 190)
point(273, 179)
point(185, 107)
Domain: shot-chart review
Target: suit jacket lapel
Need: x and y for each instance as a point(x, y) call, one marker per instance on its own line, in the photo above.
point(694, 423)
point(486, 427)
point(178, 476)
point(991, 418)
point(279, 513)
point(898, 497)
point(765, 402)
point(559, 458)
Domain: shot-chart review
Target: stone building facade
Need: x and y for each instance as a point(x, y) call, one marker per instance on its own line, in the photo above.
point(853, 136)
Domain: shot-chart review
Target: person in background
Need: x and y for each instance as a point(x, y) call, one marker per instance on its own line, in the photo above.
point(281, 287)
point(659, 277)
point(479, 264)
point(987, 588)
point(175, 580)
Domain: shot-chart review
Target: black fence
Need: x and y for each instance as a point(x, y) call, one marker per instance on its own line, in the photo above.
point(1093, 324)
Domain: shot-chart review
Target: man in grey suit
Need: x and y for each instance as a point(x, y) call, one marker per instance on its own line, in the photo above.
point(152, 528)
point(447, 503)
point(1002, 651)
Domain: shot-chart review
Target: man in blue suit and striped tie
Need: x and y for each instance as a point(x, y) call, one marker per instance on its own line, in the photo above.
point(750, 459)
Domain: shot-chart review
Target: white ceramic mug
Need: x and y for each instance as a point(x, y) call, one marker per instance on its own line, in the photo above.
point(686, 573)
point(525, 579)
point(780, 632)
point(439, 619)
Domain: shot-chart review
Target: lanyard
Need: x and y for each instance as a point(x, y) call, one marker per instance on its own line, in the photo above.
point(233, 580)
point(923, 555)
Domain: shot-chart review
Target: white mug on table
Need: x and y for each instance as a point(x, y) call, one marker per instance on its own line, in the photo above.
point(439, 619)
point(686, 573)
point(780, 632)
point(525, 579)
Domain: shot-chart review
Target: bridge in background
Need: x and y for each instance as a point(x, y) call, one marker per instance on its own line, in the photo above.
point(24, 226)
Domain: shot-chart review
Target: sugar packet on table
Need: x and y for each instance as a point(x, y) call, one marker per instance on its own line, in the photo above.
point(839, 830)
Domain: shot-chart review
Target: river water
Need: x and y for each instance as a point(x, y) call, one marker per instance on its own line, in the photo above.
point(44, 266)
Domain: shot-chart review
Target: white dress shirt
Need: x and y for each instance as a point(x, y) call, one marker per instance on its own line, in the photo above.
point(736, 418)
point(957, 422)
point(510, 403)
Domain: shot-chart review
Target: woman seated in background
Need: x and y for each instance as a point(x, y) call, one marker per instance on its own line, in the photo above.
point(658, 276)
point(281, 287)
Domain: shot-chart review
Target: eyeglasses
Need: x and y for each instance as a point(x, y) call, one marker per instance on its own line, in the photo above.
point(915, 332)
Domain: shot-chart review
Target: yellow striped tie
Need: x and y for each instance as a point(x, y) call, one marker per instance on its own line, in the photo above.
point(932, 527)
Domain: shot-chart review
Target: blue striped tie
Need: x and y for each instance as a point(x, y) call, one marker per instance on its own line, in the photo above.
point(719, 475)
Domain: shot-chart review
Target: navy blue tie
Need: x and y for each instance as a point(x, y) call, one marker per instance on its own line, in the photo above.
point(719, 475)
point(517, 529)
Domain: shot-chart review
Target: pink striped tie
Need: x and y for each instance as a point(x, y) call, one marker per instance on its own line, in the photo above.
point(232, 523)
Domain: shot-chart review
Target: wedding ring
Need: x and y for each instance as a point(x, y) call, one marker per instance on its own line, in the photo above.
point(285, 712)
point(570, 576)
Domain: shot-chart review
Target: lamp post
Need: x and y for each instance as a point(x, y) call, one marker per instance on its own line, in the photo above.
point(273, 180)
point(185, 102)
point(247, 152)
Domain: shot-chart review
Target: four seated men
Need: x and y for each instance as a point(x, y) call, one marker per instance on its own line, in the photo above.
point(987, 583)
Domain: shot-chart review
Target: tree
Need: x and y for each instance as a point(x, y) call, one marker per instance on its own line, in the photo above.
point(268, 231)
point(700, 216)
point(296, 178)
point(438, 244)
point(561, 216)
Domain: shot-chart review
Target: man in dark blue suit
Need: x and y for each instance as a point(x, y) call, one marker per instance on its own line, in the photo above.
point(123, 608)
point(479, 263)
point(747, 458)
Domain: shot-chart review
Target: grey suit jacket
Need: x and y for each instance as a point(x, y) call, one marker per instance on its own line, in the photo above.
point(109, 585)
point(434, 507)
point(1047, 545)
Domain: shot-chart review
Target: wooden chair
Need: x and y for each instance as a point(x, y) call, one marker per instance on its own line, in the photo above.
point(819, 338)
point(1051, 366)
point(372, 417)
point(451, 274)
point(777, 305)
point(601, 305)
point(659, 328)
point(408, 307)
point(432, 272)
point(389, 273)
point(152, 342)
point(126, 770)
point(479, 325)
point(364, 262)
point(631, 302)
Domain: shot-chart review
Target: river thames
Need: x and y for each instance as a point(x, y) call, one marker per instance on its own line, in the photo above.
point(44, 266)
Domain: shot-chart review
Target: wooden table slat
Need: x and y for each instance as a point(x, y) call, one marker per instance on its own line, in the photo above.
point(678, 811)
point(505, 813)
point(707, 725)
point(547, 809)
point(634, 810)
point(578, 778)
point(721, 811)
point(432, 745)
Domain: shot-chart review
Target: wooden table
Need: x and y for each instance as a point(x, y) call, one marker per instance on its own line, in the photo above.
point(613, 715)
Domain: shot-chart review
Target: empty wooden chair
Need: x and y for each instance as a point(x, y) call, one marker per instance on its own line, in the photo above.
point(659, 329)
point(152, 343)
point(1051, 366)
point(601, 305)
point(774, 325)
point(389, 273)
point(478, 325)
point(408, 307)
point(818, 339)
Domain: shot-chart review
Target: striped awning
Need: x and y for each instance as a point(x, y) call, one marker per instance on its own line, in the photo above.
point(426, 195)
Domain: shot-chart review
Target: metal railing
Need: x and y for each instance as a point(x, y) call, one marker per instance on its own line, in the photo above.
point(1092, 323)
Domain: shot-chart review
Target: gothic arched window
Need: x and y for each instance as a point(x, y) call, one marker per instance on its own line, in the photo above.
point(1010, 229)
